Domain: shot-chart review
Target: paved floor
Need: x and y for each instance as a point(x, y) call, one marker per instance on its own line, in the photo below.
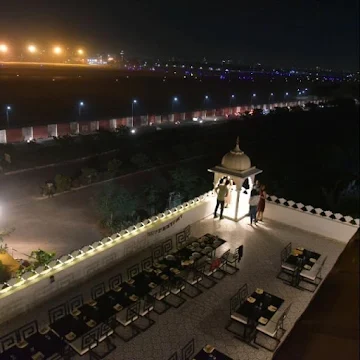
point(329, 328)
point(205, 317)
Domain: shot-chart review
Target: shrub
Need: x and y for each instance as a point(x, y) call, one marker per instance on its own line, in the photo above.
point(62, 183)
point(141, 161)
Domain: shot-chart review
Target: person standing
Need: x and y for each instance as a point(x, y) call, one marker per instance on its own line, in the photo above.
point(221, 191)
point(253, 202)
point(228, 184)
point(261, 205)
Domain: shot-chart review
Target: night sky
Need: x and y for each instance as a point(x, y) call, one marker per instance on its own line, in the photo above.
point(302, 33)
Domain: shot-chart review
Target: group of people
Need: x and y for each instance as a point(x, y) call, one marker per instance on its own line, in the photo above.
point(257, 202)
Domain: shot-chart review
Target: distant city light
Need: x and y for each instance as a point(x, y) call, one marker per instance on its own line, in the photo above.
point(271, 94)
point(3, 48)
point(81, 103)
point(57, 50)
point(175, 98)
point(32, 49)
point(133, 131)
point(286, 94)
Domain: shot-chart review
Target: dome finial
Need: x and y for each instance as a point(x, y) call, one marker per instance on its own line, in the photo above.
point(237, 148)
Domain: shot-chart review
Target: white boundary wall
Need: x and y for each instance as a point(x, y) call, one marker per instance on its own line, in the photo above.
point(26, 294)
point(325, 223)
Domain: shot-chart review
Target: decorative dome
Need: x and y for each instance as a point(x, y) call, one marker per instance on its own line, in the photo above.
point(236, 159)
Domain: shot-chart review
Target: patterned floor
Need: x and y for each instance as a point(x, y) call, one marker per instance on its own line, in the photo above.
point(205, 317)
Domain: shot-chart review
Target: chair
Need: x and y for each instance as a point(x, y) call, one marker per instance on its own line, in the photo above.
point(219, 273)
point(187, 352)
point(8, 341)
point(97, 290)
point(157, 252)
point(89, 340)
point(167, 246)
point(147, 263)
point(205, 281)
point(144, 322)
point(232, 260)
point(75, 303)
point(160, 306)
point(28, 330)
point(285, 268)
point(181, 239)
point(315, 281)
point(102, 349)
point(174, 356)
point(133, 271)
point(273, 331)
point(115, 281)
point(174, 299)
point(244, 329)
point(57, 312)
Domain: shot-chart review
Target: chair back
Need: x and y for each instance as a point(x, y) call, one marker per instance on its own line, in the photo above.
point(97, 290)
point(225, 255)
point(243, 293)
point(285, 253)
point(187, 352)
point(75, 303)
point(115, 281)
point(280, 322)
point(147, 263)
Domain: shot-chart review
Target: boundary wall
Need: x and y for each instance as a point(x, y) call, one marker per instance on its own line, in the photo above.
point(14, 135)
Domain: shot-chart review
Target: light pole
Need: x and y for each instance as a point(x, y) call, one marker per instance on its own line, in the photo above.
point(232, 98)
point(8, 109)
point(270, 96)
point(253, 96)
point(175, 100)
point(81, 105)
point(134, 102)
point(206, 100)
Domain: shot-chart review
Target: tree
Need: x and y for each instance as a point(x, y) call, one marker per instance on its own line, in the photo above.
point(4, 233)
point(141, 160)
point(88, 175)
point(116, 207)
point(114, 165)
point(62, 183)
point(185, 182)
point(42, 257)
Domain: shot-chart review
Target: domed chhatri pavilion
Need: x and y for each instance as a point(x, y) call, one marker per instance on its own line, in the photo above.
point(236, 166)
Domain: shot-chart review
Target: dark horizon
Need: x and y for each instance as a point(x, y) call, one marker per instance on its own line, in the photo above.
point(287, 35)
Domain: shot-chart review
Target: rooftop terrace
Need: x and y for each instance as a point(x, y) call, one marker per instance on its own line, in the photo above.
point(204, 318)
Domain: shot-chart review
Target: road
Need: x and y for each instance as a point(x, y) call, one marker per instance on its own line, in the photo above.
point(61, 224)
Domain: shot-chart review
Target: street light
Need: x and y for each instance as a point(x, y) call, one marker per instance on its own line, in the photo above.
point(232, 97)
point(8, 109)
point(252, 97)
point(80, 51)
point(3, 48)
point(174, 100)
point(134, 102)
point(81, 105)
point(57, 50)
point(32, 49)
point(270, 96)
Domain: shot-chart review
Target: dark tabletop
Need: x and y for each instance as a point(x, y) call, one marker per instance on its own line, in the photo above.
point(247, 309)
point(305, 257)
point(48, 344)
point(202, 355)
point(69, 323)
